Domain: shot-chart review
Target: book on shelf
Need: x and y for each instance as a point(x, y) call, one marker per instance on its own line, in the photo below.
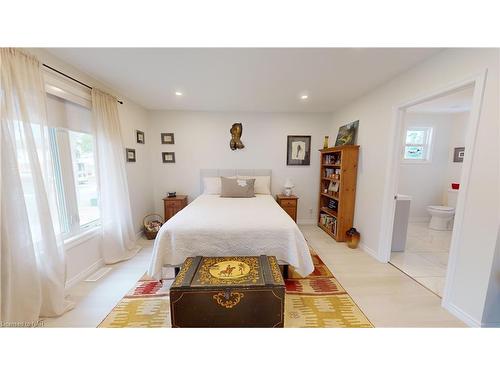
point(331, 159)
point(332, 172)
point(332, 204)
point(329, 222)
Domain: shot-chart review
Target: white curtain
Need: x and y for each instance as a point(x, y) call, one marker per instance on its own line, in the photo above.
point(118, 237)
point(31, 255)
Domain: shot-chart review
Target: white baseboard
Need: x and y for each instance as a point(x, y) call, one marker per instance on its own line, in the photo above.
point(462, 315)
point(369, 251)
point(306, 221)
point(138, 235)
point(84, 274)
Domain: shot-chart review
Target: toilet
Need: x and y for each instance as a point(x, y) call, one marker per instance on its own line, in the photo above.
point(442, 216)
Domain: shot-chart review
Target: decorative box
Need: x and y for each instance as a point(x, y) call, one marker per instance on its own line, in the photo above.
point(228, 292)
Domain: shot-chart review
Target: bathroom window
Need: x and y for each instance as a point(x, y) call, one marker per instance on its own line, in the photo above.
point(417, 147)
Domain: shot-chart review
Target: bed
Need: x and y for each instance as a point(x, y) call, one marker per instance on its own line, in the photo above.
point(215, 226)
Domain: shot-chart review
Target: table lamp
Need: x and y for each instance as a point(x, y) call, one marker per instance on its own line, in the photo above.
point(288, 187)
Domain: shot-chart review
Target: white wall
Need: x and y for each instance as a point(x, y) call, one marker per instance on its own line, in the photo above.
point(426, 182)
point(457, 139)
point(132, 118)
point(84, 255)
point(476, 245)
point(202, 141)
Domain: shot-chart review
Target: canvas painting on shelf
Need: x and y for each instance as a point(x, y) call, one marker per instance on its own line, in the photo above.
point(347, 134)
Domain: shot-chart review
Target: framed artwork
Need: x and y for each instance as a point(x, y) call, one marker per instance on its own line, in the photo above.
point(298, 150)
point(347, 134)
point(167, 138)
point(130, 155)
point(458, 154)
point(168, 157)
point(139, 136)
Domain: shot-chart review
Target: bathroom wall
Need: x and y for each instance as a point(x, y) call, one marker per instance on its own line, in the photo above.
point(427, 183)
point(457, 139)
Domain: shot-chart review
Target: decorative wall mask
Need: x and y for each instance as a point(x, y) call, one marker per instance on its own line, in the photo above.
point(236, 131)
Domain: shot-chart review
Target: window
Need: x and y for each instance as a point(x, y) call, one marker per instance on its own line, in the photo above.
point(417, 144)
point(84, 173)
point(73, 156)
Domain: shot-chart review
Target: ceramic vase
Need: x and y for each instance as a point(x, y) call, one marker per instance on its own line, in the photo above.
point(325, 143)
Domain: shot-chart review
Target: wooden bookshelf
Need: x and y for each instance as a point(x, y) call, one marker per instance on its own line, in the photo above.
point(343, 162)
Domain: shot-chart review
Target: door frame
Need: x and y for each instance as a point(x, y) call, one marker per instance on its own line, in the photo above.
point(393, 163)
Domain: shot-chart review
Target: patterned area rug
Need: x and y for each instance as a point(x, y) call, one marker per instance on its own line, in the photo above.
point(315, 301)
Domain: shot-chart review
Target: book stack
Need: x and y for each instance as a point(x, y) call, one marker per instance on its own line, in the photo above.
point(329, 222)
point(332, 204)
point(331, 159)
point(332, 173)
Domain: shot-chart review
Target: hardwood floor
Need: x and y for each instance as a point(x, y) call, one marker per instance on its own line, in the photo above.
point(388, 297)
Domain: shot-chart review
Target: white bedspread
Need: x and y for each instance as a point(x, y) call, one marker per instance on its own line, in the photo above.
point(215, 226)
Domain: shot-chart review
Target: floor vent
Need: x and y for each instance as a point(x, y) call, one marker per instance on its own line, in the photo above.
point(98, 274)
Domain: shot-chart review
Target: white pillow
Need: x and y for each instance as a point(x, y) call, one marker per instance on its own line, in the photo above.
point(212, 185)
point(262, 184)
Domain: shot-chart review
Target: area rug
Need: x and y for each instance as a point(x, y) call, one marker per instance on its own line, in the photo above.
point(312, 302)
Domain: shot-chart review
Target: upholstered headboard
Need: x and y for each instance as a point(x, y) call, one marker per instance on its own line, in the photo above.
point(232, 172)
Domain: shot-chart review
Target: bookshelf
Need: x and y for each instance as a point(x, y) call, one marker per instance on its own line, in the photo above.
point(337, 195)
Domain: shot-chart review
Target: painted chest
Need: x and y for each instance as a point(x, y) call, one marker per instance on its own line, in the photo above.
point(228, 292)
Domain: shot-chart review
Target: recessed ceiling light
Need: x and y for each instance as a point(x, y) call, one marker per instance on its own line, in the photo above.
point(304, 97)
point(178, 93)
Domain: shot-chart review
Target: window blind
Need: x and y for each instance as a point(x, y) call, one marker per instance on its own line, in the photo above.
point(68, 115)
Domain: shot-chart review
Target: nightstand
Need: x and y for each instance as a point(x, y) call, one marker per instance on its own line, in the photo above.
point(174, 205)
point(289, 204)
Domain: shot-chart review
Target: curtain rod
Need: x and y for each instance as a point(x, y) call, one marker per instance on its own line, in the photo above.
point(73, 79)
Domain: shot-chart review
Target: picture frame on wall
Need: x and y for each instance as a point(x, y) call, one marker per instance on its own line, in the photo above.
point(298, 150)
point(458, 154)
point(130, 155)
point(347, 134)
point(167, 138)
point(168, 157)
point(139, 137)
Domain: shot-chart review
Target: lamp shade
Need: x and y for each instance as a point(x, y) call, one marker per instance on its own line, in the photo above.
point(289, 183)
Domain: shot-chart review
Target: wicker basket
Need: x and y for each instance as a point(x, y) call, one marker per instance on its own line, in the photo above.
point(150, 231)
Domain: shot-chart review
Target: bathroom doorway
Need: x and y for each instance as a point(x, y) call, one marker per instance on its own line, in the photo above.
point(428, 183)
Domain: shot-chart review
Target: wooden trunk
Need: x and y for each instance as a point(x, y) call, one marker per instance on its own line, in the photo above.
point(228, 292)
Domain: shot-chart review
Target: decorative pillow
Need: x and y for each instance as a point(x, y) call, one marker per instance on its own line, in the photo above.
point(262, 184)
point(211, 185)
point(237, 187)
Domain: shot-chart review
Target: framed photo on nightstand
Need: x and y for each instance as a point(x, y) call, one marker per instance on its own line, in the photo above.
point(168, 157)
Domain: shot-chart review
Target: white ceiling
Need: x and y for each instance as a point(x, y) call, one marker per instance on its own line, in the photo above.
point(456, 102)
point(258, 79)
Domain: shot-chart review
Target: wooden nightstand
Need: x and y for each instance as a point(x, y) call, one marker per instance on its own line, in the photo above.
point(174, 205)
point(289, 204)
